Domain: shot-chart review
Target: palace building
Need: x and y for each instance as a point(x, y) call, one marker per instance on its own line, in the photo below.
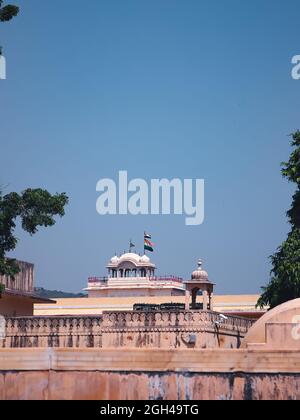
point(132, 282)
point(132, 275)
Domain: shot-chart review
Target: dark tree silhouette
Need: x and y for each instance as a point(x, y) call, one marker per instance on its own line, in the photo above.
point(285, 281)
point(7, 12)
point(34, 208)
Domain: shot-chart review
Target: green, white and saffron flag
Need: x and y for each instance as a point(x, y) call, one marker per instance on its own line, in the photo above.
point(148, 246)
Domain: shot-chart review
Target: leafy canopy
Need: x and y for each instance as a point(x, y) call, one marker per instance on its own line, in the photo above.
point(7, 12)
point(34, 208)
point(285, 273)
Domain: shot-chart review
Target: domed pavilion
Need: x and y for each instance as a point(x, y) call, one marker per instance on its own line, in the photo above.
point(134, 275)
point(199, 284)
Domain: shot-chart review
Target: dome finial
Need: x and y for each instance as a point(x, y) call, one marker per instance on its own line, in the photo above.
point(200, 273)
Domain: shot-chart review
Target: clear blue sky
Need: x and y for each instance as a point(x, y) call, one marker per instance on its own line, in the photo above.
point(161, 88)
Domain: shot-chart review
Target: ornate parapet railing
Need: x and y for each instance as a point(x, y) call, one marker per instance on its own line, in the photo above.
point(104, 281)
point(53, 332)
point(128, 329)
point(174, 320)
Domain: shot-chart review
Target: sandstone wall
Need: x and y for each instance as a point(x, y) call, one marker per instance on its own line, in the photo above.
point(56, 374)
point(12, 306)
point(128, 329)
point(24, 281)
point(145, 386)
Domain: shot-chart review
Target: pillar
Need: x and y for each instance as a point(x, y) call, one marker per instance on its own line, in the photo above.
point(205, 300)
point(194, 298)
point(211, 302)
point(187, 300)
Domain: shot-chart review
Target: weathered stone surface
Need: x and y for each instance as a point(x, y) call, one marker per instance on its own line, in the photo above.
point(128, 329)
point(151, 360)
point(23, 281)
point(26, 385)
point(149, 374)
point(268, 369)
point(2, 387)
point(287, 313)
point(147, 386)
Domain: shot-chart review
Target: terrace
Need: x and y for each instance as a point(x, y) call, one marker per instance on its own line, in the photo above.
point(106, 281)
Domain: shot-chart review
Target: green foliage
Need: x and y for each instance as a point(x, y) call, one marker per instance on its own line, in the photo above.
point(7, 12)
point(285, 273)
point(34, 208)
point(291, 171)
point(2, 289)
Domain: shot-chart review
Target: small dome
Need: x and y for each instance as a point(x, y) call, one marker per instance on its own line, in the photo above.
point(200, 274)
point(129, 259)
point(145, 259)
point(130, 256)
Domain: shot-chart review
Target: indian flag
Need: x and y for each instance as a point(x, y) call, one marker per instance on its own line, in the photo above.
point(148, 246)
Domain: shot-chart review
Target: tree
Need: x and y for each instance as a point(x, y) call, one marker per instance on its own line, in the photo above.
point(285, 280)
point(34, 208)
point(7, 13)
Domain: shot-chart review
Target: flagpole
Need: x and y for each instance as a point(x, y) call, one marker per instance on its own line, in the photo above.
point(131, 245)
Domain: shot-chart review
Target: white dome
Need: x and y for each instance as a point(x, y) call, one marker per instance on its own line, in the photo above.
point(128, 259)
point(145, 259)
point(130, 256)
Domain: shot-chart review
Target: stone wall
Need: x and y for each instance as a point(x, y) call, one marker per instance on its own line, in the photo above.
point(143, 374)
point(16, 305)
point(23, 282)
point(266, 368)
point(128, 329)
point(147, 386)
